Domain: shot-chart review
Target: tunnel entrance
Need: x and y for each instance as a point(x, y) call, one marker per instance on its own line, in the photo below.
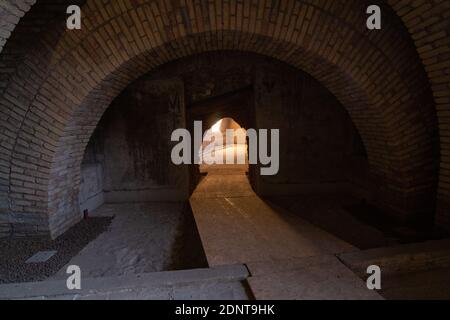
point(227, 91)
point(128, 158)
point(224, 145)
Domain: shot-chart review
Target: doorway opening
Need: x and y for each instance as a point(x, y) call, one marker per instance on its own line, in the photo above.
point(224, 147)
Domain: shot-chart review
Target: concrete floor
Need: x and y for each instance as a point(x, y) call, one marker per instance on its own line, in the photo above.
point(325, 209)
point(142, 238)
point(409, 271)
point(321, 277)
point(288, 258)
point(362, 225)
point(236, 226)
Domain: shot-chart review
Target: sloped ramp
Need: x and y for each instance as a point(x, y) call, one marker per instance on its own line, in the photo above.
point(287, 257)
point(236, 226)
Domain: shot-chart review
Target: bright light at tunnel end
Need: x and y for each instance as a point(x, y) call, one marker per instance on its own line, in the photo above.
point(259, 144)
point(216, 127)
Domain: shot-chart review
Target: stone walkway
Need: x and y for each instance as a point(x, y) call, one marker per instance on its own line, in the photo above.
point(288, 258)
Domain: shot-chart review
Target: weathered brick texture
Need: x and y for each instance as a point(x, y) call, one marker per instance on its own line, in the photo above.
point(428, 22)
point(10, 13)
point(56, 95)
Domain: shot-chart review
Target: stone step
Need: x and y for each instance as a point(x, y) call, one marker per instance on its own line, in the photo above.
point(224, 282)
point(429, 284)
point(400, 259)
point(321, 277)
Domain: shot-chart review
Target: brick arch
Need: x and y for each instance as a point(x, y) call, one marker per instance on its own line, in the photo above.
point(11, 11)
point(428, 22)
point(382, 90)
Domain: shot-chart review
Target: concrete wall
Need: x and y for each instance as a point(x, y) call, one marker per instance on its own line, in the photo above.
point(91, 187)
point(134, 147)
point(320, 149)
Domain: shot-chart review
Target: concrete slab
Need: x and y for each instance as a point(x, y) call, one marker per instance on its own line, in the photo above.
point(236, 226)
point(223, 282)
point(401, 259)
point(142, 238)
point(314, 278)
point(231, 184)
point(409, 271)
point(426, 284)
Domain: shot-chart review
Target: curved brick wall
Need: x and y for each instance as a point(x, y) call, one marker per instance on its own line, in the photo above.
point(11, 11)
point(428, 22)
point(55, 98)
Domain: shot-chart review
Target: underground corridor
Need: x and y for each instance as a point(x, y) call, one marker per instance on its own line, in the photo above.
point(87, 176)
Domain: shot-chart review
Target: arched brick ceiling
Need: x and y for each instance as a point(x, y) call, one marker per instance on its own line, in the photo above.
point(10, 13)
point(57, 95)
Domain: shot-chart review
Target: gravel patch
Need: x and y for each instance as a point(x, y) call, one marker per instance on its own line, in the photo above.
point(15, 251)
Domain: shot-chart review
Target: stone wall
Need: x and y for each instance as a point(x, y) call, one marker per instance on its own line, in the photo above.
point(91, 187)
point(320, 149)
point(134, 144)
